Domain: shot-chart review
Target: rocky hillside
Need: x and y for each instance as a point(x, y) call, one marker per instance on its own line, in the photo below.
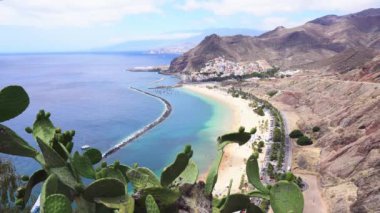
point(316, 40)
point(346, 152)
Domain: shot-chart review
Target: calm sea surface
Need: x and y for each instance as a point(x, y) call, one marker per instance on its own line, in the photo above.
point(90, 94)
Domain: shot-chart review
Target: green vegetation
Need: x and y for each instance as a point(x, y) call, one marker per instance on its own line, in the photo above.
point(296, 134)
point(316, 129)
point(304, 140)
point(277, 135)
point(272, 93)
point(253, 131)
point(259, 111)
point(106, 190)
point(239, 137)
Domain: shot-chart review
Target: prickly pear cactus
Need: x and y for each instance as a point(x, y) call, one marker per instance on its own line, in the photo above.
point(151, 205)
point(13, 101)
point(35, 179)
point(252, 170)
point(171, 172)
point(57, 203)
point(142, 178)
point(43, 128)
point(105, 187)
point(189, 175)
point(83, 165)
point(212, 176)
point(12, 144)
point(286, 197)
point(52, 158)
point(94, 155)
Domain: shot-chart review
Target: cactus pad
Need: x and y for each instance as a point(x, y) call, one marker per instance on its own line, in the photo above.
point(13, 101)
point(286, 197)
point(171, 172)
point(36, 178)
point(94, 155)
point(212, 176)
point(83, 165)
point(151, 205)
point(11, 143)
point(163, 196)
point(52, 158)
point(235, 202)
point(124, 203)
point(105, 187)
point(189, 175)
point(57, 203)
point(43, 128)
point(142, 178)
point(252, 169)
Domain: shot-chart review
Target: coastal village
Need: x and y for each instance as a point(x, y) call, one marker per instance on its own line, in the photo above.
point(221, 67)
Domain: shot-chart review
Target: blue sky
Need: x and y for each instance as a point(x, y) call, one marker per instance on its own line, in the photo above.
point(73, 25)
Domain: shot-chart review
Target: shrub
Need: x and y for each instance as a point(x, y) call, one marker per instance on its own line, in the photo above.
point(261, 144)
point(277, 135)
point(272, 93)
point(259, 111)
point(316, 129)
point(253, 130)
point(304, 140)
point(296, 134)
point(241, 129)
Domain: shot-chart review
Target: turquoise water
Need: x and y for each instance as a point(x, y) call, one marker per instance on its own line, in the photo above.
point(90, 93)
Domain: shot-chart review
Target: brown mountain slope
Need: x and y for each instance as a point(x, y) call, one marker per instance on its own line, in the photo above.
point(318, 39)
point(345, 155)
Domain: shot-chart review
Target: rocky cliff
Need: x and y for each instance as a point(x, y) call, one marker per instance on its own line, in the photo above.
point(316, 40)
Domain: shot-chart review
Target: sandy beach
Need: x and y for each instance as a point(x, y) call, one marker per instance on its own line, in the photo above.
point(235, 156)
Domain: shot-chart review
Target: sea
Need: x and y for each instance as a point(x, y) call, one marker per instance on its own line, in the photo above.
point(91, 94)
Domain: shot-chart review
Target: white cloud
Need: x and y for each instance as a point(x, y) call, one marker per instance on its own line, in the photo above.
point(268, 7)
point(48, 13)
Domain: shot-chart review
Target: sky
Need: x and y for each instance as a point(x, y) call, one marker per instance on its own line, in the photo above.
point(76, 25)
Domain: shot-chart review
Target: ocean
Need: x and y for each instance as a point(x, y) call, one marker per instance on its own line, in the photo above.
point(90, 93)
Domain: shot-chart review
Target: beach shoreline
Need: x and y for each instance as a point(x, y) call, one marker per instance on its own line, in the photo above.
point(234, 159)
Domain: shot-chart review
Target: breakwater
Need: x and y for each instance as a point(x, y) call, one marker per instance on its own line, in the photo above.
point(138, 133)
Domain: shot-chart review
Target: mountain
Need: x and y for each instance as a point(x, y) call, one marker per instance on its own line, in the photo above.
point(176, 45)
point(286, 48)
point(337, 90)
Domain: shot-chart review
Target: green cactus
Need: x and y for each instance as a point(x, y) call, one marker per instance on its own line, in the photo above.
point(53, 185)
point(189, 175)
point(105, 187)
point(286, 197)
point(125, 204)
point(252, 170)
point(13, 101)
point(170, 173)
point(52, 158)
point(212, 176)
point(240, 137)
point(43, 128)
point(94, 155)
point(111, 172)
point(151, 205)
point(57, 203)
point(235, 202)
point(259, 194)
point(66, 176)
point(142, 178)
point(83, 165)
point(163, 196)
point(35, 179)
point(12, 144)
